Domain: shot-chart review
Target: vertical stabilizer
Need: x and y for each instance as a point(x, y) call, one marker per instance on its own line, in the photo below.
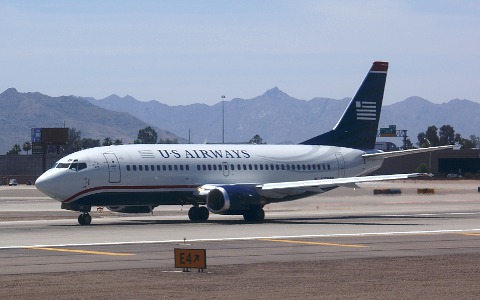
point(357, 128)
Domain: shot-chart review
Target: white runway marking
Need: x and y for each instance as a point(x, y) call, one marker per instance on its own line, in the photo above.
point(421, 232)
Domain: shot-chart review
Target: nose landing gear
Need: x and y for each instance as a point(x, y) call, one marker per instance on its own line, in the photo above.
point(85, 219)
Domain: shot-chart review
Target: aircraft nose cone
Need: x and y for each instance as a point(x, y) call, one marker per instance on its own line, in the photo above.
point(45, 184)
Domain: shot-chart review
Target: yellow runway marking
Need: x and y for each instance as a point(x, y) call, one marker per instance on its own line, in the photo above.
point(81, 251)
point(316, 243)
point(471, 234)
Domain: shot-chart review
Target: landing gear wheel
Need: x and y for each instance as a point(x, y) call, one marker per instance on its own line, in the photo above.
point(203, 213)
point(84, 219)
point(198, 214)
point(256, 215)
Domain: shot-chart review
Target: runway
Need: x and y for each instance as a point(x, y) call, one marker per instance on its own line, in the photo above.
point(37, 237)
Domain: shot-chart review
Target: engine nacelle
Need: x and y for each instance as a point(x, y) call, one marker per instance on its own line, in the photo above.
point(131, 209)
point(233, 200)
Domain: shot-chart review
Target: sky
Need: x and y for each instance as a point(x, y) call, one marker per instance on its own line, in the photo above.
point(192, 51)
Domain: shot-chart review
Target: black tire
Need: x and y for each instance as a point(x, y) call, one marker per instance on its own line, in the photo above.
point(88, 219)
point(84, 219)
point(203, 213)
point(81, 220)
point(256, 215)
point(193, 213)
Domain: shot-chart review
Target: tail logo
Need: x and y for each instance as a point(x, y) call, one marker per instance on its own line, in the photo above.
point(366, 110)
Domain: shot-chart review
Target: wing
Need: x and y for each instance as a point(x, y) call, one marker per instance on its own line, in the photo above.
point(327, 183)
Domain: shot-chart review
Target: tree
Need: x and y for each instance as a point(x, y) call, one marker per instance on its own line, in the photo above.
point(27, 146)
point(148, 135)
point(118, 142)
point(256, 140)
point(89, 143)
point(422, 168)
point(446, 135)
point(408, 144)
point(475, 141)
point(74, 142)
point(107, 141)
point(422, 141)
point(431, 136)
point(15, 150)
point(168, 141)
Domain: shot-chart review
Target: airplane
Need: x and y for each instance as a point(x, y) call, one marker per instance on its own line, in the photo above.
point(228, 179)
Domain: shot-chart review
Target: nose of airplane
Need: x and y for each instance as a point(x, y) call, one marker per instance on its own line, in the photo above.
point(46, 184)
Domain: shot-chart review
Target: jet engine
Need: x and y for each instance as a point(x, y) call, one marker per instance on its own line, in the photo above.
point(233, 200)
point(131, 209)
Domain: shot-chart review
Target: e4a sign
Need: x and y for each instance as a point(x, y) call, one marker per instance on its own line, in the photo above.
point(190, 258)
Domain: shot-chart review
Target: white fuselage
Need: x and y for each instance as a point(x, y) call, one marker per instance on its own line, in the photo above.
point(169, 174)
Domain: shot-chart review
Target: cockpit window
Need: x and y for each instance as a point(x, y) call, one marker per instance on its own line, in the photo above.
point(75, 165)
point(78, 166)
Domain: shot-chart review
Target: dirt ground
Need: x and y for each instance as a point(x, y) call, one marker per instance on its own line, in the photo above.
point(429, 277)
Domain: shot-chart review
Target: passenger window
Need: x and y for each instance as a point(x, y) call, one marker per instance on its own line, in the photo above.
point(134, 167)
point(170, 167)
point(199, 168)
point(181, 167)
point(187, 167)
point(152, 167)
point(146, 167)
point(128, 167)
point(175, 167)
point(158, 167)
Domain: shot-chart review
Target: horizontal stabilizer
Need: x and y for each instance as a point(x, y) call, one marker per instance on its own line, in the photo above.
point(382, 155)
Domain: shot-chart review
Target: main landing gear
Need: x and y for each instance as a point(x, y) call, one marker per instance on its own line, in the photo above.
point(198, 214)
point(85, 219)
point(256, 215)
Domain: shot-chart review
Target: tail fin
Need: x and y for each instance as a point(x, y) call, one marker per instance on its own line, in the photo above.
point(358, 125)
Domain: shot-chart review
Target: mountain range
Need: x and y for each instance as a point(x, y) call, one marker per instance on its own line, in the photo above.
point(19, 112)
point(275, 116)
point(279, 118)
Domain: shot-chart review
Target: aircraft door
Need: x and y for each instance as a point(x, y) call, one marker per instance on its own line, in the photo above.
point(113, 168)
point(226, 171)
point(341, 165)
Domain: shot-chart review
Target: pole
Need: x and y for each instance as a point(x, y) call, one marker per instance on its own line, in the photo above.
point(223, 119)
